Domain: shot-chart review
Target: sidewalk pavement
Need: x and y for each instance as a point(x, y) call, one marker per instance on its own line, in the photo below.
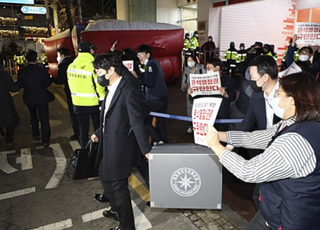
point(226, 219)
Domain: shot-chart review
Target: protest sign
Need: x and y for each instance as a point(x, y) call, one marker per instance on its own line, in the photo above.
point(293, 68)
point(205, 84)
point(204, 113)
point(128, 64)
point(308, 33)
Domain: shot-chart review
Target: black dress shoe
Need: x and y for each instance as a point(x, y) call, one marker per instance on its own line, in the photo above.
point(101, 198)
point(110, 214)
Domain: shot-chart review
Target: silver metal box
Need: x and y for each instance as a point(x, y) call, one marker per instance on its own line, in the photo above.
point(185, 176)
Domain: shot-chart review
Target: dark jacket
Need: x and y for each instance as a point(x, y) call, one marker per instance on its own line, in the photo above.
point(313, 68)
point(35, 80)
point(154, 81)
point(62, 74)
point(294, 204)
point(8, 112)
point(228, 83)
point(256, 114)
point(124, 133)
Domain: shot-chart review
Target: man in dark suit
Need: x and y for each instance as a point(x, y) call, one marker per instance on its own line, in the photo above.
point(263, 80)
point(259, 116)
point(64, 59)
point(35, 80)
point(121, 134)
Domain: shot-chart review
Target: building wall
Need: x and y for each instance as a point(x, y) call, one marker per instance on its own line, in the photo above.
point(185, 2)
point(142, 10)
point(305, 4)
point(167, 11)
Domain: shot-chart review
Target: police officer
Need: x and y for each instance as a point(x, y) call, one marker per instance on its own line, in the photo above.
point(242, 53)
point(194, 43)
point(230, 56)
point(156, 92)
point(19, 58)
point(186, 42)
point(86, 94)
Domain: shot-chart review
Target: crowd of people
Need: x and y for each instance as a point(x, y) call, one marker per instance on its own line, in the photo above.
point(280, 119)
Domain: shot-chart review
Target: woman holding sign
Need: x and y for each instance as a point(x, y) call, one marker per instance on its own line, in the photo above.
point(190, 67)
point(289, 167)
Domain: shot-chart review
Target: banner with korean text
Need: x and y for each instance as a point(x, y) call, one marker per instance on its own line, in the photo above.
point(205, 84)
point(204, 113)
point(308, 33)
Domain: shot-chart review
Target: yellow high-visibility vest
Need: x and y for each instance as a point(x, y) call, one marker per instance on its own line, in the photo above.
point(82, 80)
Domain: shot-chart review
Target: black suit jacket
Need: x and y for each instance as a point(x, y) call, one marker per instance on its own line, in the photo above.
point(256, 114)
point(35, 80)
point(122, 133)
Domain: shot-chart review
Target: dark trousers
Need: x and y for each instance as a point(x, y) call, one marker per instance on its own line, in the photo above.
point(73, 116)
point(83, 120)
point(257, 223)
point(158, 133)
point(40, 113)
point(9, 135)
point(120, 200)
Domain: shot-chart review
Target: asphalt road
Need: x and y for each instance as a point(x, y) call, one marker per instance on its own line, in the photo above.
point(35, 192)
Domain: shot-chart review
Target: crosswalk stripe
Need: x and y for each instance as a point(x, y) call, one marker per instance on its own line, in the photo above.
point(92, 216)
point(20, 192)
point(56, 226)
point(62, 102)
point(4, 164)
point(25, 159)
point(137, 186)
point(75, 145)
point(61, 165)
point(141, 221)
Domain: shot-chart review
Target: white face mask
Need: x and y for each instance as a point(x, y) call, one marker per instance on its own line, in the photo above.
point(59, 59)
point(191, 64)
point(279, 112)
point(210, 71)
point(303, 57)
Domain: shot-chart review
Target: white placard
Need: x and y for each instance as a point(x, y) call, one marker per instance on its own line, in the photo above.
point(128, 64)
point(204, 113)
point(293, 68)
point(205, 84)
point(308, 33)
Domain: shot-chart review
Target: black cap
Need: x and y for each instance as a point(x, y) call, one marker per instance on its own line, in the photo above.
point(258, 44)
point(86, 46)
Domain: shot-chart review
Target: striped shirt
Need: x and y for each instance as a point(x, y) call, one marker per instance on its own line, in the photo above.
point(289, 156)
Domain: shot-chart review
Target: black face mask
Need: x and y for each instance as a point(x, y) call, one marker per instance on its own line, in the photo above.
point(254, 86)
point(103, 81)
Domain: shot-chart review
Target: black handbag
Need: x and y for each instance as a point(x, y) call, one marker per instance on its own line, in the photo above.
point(82, 162)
